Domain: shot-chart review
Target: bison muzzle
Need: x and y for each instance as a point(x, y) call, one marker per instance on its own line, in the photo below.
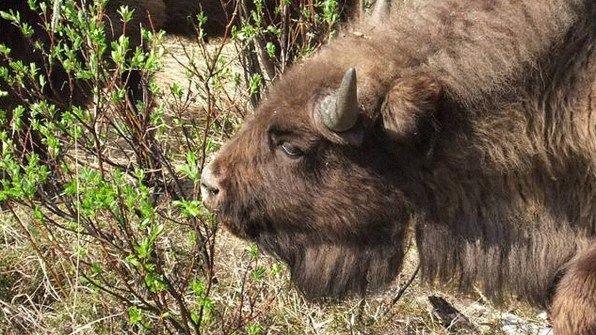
point(468, 124)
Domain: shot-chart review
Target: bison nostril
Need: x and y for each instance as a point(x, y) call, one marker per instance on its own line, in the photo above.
point(208, 194)
point(209, 188)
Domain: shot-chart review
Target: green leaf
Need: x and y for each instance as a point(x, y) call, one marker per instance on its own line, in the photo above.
point(134, 315)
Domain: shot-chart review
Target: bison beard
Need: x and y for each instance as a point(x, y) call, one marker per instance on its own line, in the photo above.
point(325, 269)
point(470, 121)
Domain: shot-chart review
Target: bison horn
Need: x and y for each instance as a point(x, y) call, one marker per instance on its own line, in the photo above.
point(341, 113)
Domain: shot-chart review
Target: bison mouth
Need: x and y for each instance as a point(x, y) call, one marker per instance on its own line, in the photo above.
point(241, 222)
point(238, 220)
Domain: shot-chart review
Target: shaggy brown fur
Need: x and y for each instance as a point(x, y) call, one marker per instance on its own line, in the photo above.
point(476, 125)
point(574, 304)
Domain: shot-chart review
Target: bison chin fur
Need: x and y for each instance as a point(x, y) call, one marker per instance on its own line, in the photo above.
point(335, 269)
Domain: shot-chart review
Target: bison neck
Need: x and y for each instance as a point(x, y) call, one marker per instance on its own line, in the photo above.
point(508, 197)
point(505, 234)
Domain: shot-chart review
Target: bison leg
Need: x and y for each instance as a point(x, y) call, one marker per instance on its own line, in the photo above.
point(573, 310)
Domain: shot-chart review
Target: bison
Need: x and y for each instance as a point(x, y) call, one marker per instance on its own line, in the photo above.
point(467, 124)
point(63, 89)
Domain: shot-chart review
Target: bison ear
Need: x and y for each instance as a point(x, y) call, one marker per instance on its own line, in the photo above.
point(409, 112)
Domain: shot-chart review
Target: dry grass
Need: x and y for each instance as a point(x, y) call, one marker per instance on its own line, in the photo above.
point(31, 305)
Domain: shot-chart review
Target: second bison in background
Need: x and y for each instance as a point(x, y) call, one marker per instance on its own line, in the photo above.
point(473, 121)
point(65, 88)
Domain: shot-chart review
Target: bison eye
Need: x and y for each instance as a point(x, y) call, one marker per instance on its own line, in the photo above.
point(291, 151)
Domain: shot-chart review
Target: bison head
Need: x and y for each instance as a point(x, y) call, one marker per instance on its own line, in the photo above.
point(319, 176)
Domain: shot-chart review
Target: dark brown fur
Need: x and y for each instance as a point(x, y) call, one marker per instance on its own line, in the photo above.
point(477, 126)
point(574, 304)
